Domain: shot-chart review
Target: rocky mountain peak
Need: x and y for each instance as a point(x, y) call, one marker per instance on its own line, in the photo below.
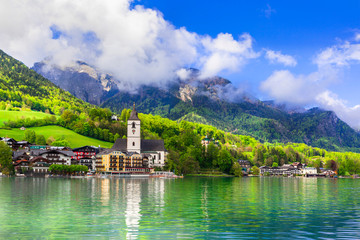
point(81, 80)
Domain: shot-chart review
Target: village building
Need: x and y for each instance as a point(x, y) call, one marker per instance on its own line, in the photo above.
point(84, 155)
point(309, 171)
point(54, 156)
point(132, 155)
point(206, 141)
point(245, 165)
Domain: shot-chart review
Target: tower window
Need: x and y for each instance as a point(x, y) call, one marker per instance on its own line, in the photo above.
point(133, 125)
point(133, 143)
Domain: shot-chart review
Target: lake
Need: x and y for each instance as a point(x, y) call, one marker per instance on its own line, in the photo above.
point(192, 208)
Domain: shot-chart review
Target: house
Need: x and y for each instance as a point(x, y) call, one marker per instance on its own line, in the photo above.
point(23, 144)
point(245, 165)
point(286, 169)
point(114, 118)
point(309, 171)
point(206, 141)
point(10, 142)
point(54, 156)
point(40, 165)
point(133, 154)
point(22, 128)
point(84, 155)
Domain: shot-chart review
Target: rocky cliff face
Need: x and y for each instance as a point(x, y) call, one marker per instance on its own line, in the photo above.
point(81, 80)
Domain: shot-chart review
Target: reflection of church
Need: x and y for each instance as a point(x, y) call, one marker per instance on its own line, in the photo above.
point(133, 154)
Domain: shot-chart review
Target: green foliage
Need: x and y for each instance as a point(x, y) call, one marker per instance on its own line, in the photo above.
point(40, 140)
point(30, 136)
point(237, 170)
point(67, 169)
point(255, 170)
point(5, 159)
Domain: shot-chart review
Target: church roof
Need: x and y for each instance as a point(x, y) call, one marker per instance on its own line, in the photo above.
point(147, 145)
point(134, 114)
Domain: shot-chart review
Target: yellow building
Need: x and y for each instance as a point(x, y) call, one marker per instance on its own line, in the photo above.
point(117, 162)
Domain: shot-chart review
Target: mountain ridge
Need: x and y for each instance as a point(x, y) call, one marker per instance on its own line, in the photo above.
point(217, 102)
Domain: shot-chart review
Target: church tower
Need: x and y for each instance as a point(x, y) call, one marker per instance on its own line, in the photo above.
point(133, 132)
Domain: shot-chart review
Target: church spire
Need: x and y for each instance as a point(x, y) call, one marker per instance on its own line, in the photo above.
point(134, 114)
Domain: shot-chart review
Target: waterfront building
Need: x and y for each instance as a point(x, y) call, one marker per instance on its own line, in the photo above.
point(132, 155)
point(309, 170)
point(54, 156)
point(84, 155)
point(245, 165)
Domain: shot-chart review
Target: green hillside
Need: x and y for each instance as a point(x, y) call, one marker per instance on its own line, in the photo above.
point(16, 115)
point(75, 140)
point(22, 88)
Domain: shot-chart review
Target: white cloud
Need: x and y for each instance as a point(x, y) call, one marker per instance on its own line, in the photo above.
point(225, 53)
point(357, 37)
point(286, 87)
point(339, 55)
point(331, 101)
point(134, 43)
point(277, 57)
point(183, 73)
point(312, 89)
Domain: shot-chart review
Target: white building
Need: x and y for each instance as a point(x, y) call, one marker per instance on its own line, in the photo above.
point(154, 150)
point(309, 170)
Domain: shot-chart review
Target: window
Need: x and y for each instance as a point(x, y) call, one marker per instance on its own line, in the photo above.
point(133, 125)
point(133, 143)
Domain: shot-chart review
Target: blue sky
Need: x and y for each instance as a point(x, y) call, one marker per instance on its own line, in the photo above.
point(305, 53)
point(298, 28)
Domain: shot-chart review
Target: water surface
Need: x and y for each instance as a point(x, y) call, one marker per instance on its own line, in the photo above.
point(192, 208)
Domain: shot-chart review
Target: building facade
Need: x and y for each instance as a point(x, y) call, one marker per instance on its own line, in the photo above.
point(131, 155)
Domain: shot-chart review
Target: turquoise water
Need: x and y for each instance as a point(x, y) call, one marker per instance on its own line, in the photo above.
point(192, 208)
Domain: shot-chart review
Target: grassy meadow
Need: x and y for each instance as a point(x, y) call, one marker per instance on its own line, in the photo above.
point(75, 140)
point(16, 115)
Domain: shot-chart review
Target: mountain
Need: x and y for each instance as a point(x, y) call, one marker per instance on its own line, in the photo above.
point(215, 101)
point(81, 80)
point(23, 88)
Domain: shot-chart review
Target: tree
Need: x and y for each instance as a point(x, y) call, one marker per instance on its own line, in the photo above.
point(211, 155)
point(255, 170)
point(50, 140)
point(237, 170)
point(30, 136)
point(275, 164)
point(5, 158)
point(40, 140)
point(61, 143)
point(225, 161)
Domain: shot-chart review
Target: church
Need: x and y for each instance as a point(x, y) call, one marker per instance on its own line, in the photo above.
point(132, 154)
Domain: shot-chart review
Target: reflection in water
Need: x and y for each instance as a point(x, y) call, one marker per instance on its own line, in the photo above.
point(132, 213)
point(195, 208)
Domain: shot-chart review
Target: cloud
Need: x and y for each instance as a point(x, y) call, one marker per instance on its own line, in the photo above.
point(269, 11)
point(296, 89)
point(312, 89)
point(357, 37)
point(277, 57)
point(225, 53)
point(331, 101)
point(339, 55)
point(135, 44)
